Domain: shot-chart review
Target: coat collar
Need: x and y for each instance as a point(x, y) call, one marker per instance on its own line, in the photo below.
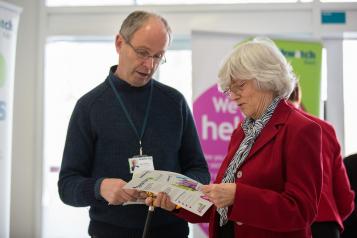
point(278, 119)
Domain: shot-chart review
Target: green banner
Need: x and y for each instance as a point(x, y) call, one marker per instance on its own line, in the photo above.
point(305, 57)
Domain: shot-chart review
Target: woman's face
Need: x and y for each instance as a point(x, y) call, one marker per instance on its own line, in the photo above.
point(251, 100)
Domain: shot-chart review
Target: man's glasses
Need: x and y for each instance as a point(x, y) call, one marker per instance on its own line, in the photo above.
point(145, 55)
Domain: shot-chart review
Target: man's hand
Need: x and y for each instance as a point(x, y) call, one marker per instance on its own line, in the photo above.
point(162, 200)
point(222, 195)
point(111, 189)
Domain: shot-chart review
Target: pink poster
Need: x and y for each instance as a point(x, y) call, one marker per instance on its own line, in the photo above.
point(215, 117)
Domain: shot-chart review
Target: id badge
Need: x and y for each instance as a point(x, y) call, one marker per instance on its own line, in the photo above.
point(143, 162)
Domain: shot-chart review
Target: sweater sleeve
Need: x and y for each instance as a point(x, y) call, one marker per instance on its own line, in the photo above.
point(75, 185)
point(191, 157)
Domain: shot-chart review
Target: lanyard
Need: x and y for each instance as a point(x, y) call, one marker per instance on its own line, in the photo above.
point(128, 116)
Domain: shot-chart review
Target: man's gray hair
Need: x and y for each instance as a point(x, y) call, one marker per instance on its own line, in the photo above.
point(258, 59)
point(137, 19)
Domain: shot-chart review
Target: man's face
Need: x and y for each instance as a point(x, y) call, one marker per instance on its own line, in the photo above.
point(151, 40)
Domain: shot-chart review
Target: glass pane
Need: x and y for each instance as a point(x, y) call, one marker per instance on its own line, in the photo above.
point(323, 84)
point(72, 69)
point(168, 2)
point(55, 3)
point(177, 72)
point(350, 96)
point(339, 1)
point(58, 3)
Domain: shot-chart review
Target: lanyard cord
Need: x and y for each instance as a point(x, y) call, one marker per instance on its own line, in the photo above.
point(127, 113)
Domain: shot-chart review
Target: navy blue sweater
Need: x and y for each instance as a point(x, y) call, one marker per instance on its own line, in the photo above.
point(100, 140)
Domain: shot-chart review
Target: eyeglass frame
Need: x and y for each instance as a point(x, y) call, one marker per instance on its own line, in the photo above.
point(234, 88)
point(146, 55)
point(227, 92)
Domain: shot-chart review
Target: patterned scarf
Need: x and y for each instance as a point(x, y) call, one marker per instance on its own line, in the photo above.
point(251, 130)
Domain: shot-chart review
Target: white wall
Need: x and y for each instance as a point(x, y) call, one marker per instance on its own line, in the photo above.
point(37, 22)
point(24, 160)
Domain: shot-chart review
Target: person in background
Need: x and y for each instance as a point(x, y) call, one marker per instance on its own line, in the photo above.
point(269, 183)
point(130, 115)
point(336, 201)
point(350, 223)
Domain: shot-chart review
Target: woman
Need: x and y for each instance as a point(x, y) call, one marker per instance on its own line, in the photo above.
point(350, 223)
point(337, 198)
point(269, 183)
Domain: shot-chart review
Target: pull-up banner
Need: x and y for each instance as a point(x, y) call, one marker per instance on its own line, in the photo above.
point(9, 19)
point(215, 115)
point(306, 59)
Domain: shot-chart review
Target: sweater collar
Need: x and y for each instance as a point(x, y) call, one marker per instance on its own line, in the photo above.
point(122, 85)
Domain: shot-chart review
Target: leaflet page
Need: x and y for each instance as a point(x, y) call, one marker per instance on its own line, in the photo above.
point(182, 190)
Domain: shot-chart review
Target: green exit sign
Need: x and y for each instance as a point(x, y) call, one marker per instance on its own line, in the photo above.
point(332, 17)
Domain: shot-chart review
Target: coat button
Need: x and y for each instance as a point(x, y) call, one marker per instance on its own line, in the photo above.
point(239, 174)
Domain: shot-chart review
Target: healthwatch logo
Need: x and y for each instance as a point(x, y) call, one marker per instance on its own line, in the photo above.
point(307, 55)
point(2, 71)
point(6, 24)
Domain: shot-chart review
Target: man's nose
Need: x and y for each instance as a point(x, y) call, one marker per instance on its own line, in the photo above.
point(149, 62)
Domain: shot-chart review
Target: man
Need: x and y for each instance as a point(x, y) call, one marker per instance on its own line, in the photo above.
point(336, 201)
point(350, 223)
point(129, 117)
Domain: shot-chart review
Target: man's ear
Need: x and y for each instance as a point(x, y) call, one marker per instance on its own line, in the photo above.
point(118, 42)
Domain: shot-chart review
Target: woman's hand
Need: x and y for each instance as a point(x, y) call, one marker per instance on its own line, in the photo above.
point(222, 195)
point(162, 200)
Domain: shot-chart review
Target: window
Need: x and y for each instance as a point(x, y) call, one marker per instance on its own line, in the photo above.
point(338, 1)
point(72, 68)
point(177, 72)
point(350, 96)
point(56, 3)
point(213, 1)
point(323, 84)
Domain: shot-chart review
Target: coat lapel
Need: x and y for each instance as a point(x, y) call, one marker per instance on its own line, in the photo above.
point(270, 130)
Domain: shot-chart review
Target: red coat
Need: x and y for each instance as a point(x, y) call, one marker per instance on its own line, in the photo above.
point(337, 198)
point(279, 184)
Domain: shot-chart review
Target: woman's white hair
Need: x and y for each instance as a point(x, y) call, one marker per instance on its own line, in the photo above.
point(262, 60)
